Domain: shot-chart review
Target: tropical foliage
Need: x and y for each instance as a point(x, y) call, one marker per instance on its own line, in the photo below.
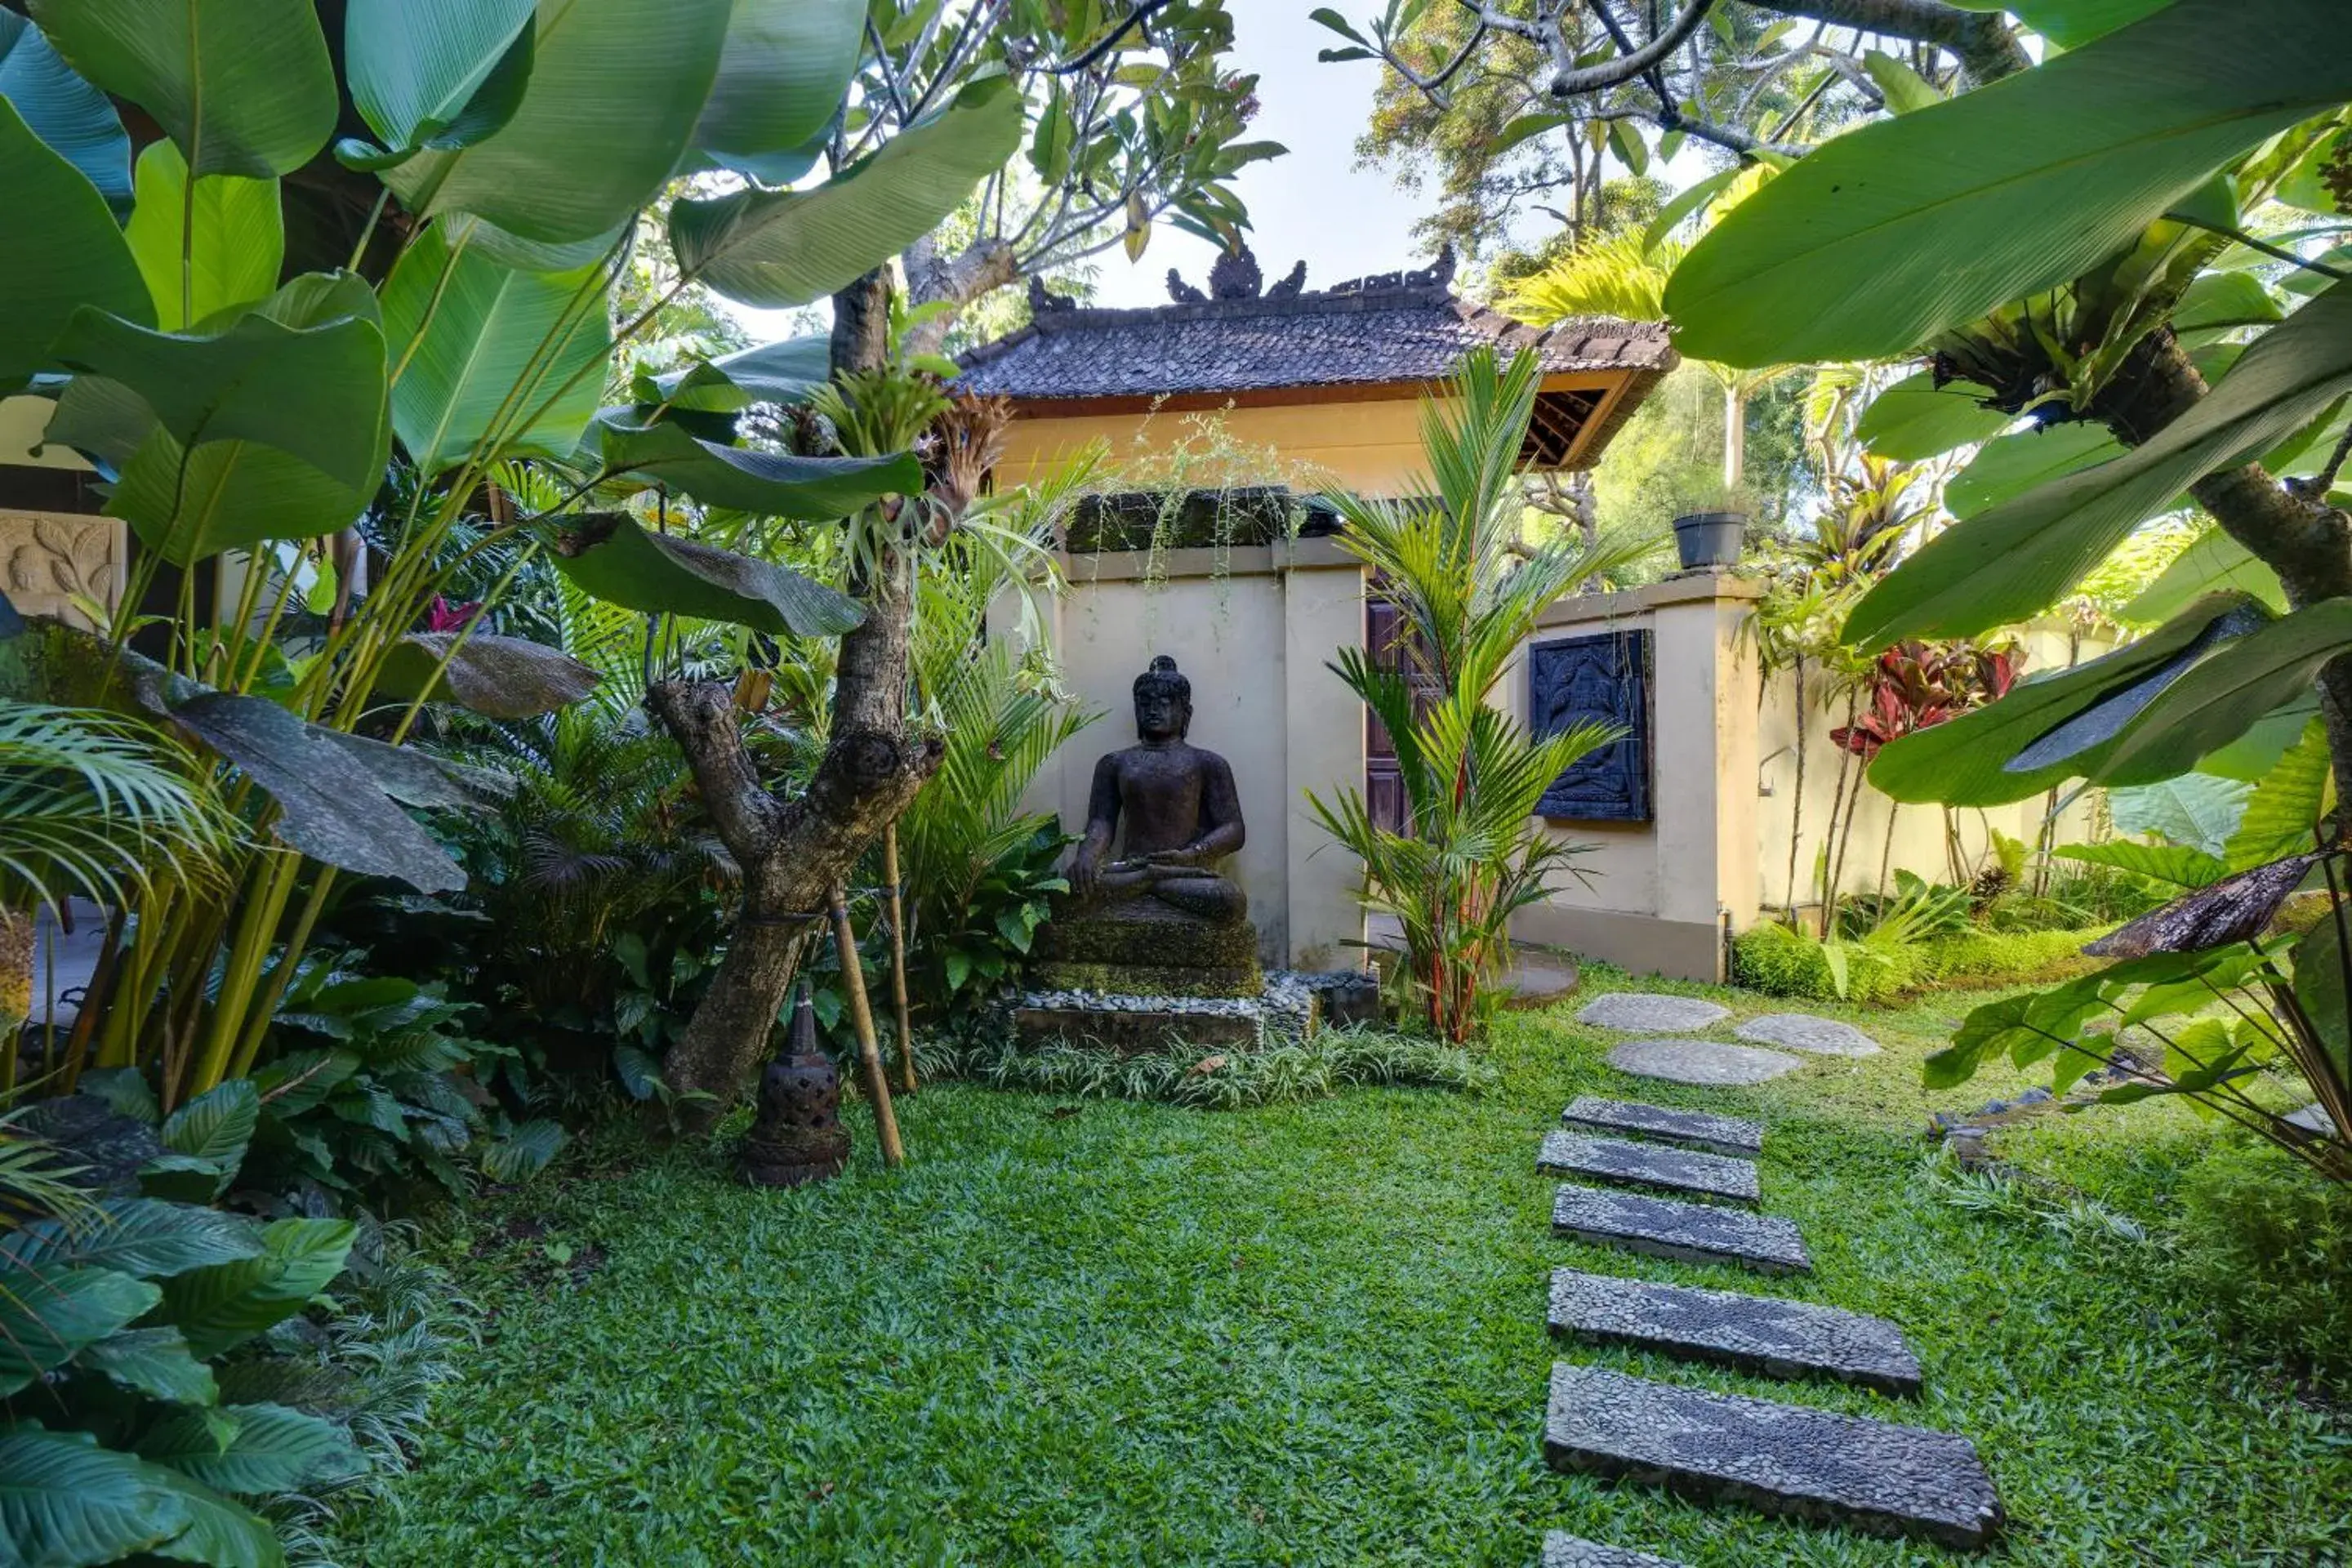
point(1467, 593)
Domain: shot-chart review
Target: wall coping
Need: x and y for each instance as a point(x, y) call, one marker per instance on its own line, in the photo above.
point(1203, 560)
point(1683, 588)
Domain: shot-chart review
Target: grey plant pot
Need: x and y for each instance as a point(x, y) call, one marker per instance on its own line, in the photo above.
point(1710, 538)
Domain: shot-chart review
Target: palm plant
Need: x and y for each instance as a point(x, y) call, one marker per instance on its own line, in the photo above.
point(1466, 591)
point(95, 804)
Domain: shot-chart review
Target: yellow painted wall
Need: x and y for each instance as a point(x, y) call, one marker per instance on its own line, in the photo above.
point(1373, 448)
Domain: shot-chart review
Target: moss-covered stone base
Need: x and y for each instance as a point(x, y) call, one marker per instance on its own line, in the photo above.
point(1147, 934)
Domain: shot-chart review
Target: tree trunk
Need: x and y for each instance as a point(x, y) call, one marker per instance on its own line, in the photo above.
point(793, 850)
point(2306, 543)
point(1735, 436)
point(979, 269)
point(1985, 45)
point(1797, 803)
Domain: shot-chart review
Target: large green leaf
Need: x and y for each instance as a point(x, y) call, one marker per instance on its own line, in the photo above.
point(2282, 815)
point(1892, 233)
point(2072, 716)
point(1916, 419)
point(47, 1315)
point(2180, 865)
point(479, 347)
point(66, 1501)
point(231, 233)
point(2195, 809)
point(771, 484)
point(2015, 464)
point(315, 392)
point(218, 1124)
point(2069, 23)
point(2221, 698)
point(219, 1533)
point(2320, 965)
point(245, 86)
point(2214, 562)
point(153, 1361)
point(784, 371)
point(612, 558)
point(274, 1449)
point(781, 74)
point(498, 677)
point(221, 1307)
point(65, 112)
point(414, 64)
point(135, 1235)
point(782, 249)
point(616, 88)
point(80, 258)
point(2009, 562)
point(2219, 300)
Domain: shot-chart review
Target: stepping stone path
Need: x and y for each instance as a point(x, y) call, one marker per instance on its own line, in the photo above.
point(1804, 1032)
point(1700, 1061)
point(1753, 1333)
point(1638, 1011)
point(1685, 1129)
point(1692, 1233)
point(1618, 1163)
point(1777, 1458)
point(1563, 1550)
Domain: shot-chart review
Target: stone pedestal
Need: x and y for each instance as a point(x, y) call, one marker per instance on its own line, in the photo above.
point(1146, 949)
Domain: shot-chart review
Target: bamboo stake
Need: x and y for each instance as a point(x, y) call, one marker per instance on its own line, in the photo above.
point(898, 957)
point(870, 1055)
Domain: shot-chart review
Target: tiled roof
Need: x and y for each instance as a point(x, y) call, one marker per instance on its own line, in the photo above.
point(1412, 332)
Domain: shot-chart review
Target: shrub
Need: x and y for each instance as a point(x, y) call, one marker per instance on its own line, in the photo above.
point(1780, 961)
point(2272, 1246)
point(2007, 955)
point(1226, 1080)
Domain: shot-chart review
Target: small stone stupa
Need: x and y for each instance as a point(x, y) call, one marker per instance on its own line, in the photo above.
point(1160, 918)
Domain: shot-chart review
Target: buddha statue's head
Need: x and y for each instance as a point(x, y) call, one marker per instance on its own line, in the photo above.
point(1163, 702)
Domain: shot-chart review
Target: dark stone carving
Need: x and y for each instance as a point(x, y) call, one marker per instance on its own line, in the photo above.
point(1755, 1334)
point(1043, 301)
point(1438, 274)
point(1615, 1163)
point(798, 1137)
point(1293, 284)
point(1691, 1233)
point(1235, 275)
point(1162, 910)
point(1603, 678)
point(1184, 293)
point(1777, 1458)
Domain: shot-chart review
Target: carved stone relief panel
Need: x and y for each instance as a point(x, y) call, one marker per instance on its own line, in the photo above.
point(48, 559)
point(1604, 679)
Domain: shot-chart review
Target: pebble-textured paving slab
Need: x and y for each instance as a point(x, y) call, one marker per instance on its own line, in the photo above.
point(1693, 1232)
point(1777, 1458)
point(1619, 1163)
point(1804, 1032)
point(1700, 1061)
point(1564, 1551)
point(1688, 1129)
point(1642, 1012)
point(1754, 1334)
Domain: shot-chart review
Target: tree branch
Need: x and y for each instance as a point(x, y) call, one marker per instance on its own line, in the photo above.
point(1985, 45)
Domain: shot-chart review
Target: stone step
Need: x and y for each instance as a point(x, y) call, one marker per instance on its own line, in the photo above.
point(1685, 1129)
point(1623, 1164)
point(1701, 1062)
point(1754, 1334)
point(1776, 1458)
point(1642, 1012)
point(1561, 1549)
point(1693, 1233)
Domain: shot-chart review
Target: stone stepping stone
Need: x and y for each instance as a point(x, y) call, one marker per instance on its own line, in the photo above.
point(1804, 1032)
point(1641, 1013)
point(1688, 1129)
point(1754, 1334)
point(1692, 1233)
point(1701, 1061)
point(1622, 1165)
point(1561, 1549)
point(1776, 1458)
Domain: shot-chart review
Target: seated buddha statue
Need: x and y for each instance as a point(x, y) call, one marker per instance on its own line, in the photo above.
point(1147, 901)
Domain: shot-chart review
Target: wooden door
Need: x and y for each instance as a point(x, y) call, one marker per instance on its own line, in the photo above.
point(1384, 784)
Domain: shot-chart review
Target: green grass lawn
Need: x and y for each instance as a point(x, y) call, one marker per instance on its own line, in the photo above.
point(1310, 1333)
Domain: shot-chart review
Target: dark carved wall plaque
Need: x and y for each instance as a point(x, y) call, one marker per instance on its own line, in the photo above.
point(1605, 679)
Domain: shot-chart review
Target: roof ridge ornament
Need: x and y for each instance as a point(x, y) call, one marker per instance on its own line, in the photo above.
point(1235, 275)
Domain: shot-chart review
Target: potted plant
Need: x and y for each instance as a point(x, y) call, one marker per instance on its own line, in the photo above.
point(1711, 524)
